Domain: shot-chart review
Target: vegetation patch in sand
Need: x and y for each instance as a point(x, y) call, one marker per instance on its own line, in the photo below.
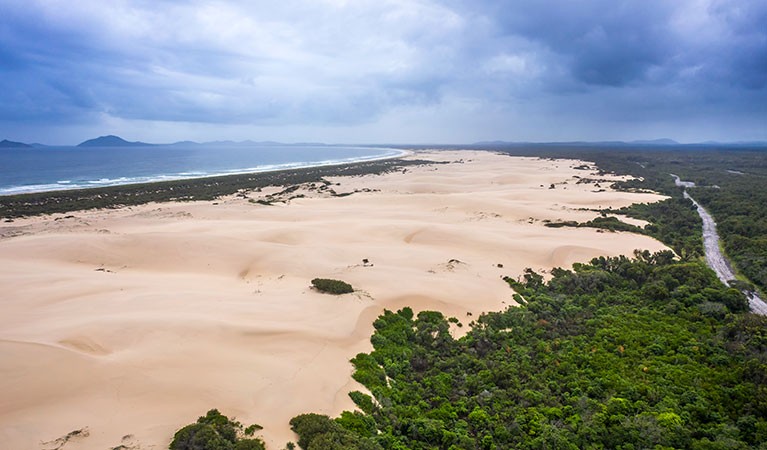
point(328, 286)
point(215, 431)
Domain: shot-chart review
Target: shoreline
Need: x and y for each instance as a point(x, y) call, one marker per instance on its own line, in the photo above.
point(187, 189)
point(401, 153)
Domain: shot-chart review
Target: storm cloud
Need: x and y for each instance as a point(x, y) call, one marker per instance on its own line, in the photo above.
point(384, 71)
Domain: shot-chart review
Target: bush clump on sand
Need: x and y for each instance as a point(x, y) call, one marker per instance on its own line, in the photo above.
point(320, 432)
point(329, 286)
point(214, 431)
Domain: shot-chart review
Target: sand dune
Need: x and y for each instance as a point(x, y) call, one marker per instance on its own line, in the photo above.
point(133, 322)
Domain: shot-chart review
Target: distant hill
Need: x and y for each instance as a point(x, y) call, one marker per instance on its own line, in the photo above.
point(651, 142)
point(5, 143)
point(247, 143)
point(664, 141)
point(115, 141)
point(737, 143)
point(488, 143)
point(111, 141)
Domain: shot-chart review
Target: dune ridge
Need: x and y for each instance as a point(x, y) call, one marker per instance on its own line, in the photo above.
point(132, 322)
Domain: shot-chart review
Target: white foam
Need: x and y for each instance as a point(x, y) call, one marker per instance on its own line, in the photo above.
point(103, 182)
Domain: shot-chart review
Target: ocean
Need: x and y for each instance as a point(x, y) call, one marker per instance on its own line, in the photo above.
point(56, 168)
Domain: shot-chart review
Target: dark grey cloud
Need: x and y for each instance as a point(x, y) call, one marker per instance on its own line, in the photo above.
point(372, 69)
point(600, 42)
point(603, 42)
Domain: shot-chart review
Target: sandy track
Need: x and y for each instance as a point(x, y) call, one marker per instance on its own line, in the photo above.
point(133, 322)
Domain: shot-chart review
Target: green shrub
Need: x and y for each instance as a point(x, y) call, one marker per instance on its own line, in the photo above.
point(319, 432)
point(332, 286)
point(617, 354)
point(214, 431)
point(363, 401)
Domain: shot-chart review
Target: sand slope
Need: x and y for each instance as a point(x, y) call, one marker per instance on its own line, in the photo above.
point(131, 323)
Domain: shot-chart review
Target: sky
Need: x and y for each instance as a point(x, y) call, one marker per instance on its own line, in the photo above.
point(383, 71)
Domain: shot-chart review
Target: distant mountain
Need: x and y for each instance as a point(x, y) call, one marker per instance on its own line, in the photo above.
point(219, 143)
point(111, 141)
point(750, 143)
point(250, 142)
point(664, 141)
point(316, 144)
point(735, 144)
point(246, 143)
point(114, 141)
point(5, 143)
point(498, 143)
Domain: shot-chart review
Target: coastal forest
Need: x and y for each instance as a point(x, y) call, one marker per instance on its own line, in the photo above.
point(732, 186)
point(620, 353)
point(730, 183)
point(650, 351)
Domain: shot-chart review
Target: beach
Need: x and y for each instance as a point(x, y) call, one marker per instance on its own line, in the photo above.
point(130, 323)
point(48, 169)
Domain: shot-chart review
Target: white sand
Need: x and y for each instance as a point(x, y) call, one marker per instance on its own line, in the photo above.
point(201, 305)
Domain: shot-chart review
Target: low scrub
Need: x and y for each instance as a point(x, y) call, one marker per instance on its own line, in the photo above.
point(329, 286)
point(215, 431)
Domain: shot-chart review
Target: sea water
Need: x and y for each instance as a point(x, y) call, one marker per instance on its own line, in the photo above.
point(57, 168)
